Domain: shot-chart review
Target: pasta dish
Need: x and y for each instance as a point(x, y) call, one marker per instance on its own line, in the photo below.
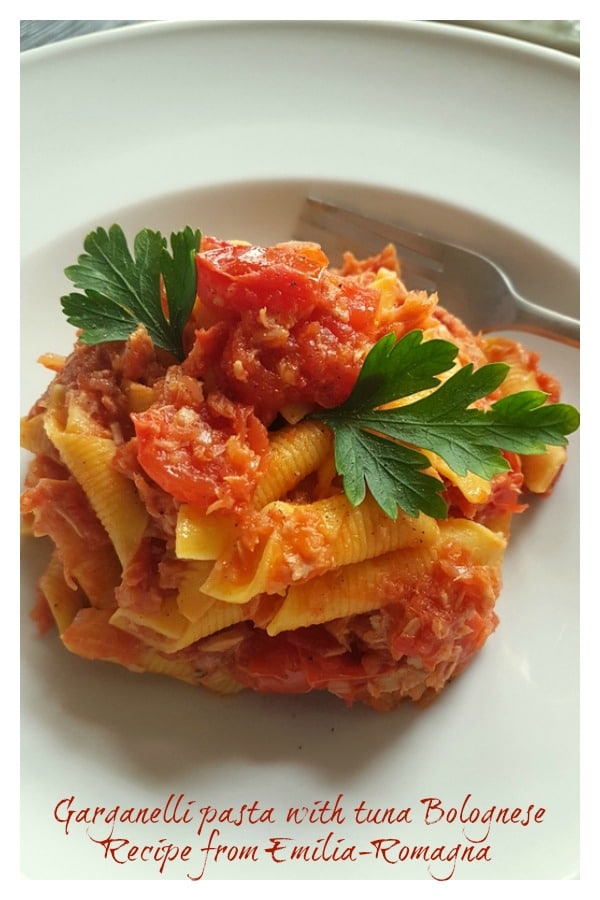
point(198, 522)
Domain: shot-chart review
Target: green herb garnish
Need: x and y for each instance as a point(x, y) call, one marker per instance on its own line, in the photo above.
point(121, 291)
point(378, 448)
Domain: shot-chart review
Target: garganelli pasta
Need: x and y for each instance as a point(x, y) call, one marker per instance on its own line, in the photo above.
point(198, 523)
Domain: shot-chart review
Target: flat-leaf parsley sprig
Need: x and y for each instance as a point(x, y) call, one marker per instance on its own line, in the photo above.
point(378, 448)
point(122, 291)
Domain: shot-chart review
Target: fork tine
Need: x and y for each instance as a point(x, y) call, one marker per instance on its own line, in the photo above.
point(423, 250)
point(474, 288)
point(336, 244)
point(338, 229)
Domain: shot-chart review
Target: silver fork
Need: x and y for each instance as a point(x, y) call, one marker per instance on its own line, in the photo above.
point(471, 286)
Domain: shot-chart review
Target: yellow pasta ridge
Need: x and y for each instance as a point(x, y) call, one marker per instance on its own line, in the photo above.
point(112, 496)
point(373, 583)
point(293, 453)
point(63, 601)
point(344, 534)
point(182, 619)
point(350, 590)
point(97, 573)
point(217, 617)
point(473, 487)
point(167, 632)
point(191, 601)
point(224, 581)
point(485, 547)
point(541, 470)
point(181, 669)
point(166, 622)
point(202, 536)
point(32, 434)
point(391, 291)
point(221, 682)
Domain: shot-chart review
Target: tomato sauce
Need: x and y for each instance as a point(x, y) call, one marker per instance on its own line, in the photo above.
point(275, 333)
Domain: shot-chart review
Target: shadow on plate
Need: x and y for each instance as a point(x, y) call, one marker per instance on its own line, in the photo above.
point(156, 726)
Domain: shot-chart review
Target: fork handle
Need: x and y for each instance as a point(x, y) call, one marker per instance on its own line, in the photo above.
point(546, 323)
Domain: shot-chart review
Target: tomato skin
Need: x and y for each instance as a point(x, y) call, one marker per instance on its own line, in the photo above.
point(270, 665)
point(294, 662)
point(235, 278)
point(207, 456)
point(296, 331)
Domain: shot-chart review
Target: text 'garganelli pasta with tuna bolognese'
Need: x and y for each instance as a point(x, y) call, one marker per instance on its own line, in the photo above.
point(260, 472)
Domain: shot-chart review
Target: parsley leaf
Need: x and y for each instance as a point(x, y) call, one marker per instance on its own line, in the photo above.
point(122, 291)
point(377, 448)
point(392, 472)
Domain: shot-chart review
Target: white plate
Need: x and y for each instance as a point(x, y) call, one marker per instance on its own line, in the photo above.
point(225, 126)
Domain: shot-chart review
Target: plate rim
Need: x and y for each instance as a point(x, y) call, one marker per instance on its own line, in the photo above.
point(446, 30)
